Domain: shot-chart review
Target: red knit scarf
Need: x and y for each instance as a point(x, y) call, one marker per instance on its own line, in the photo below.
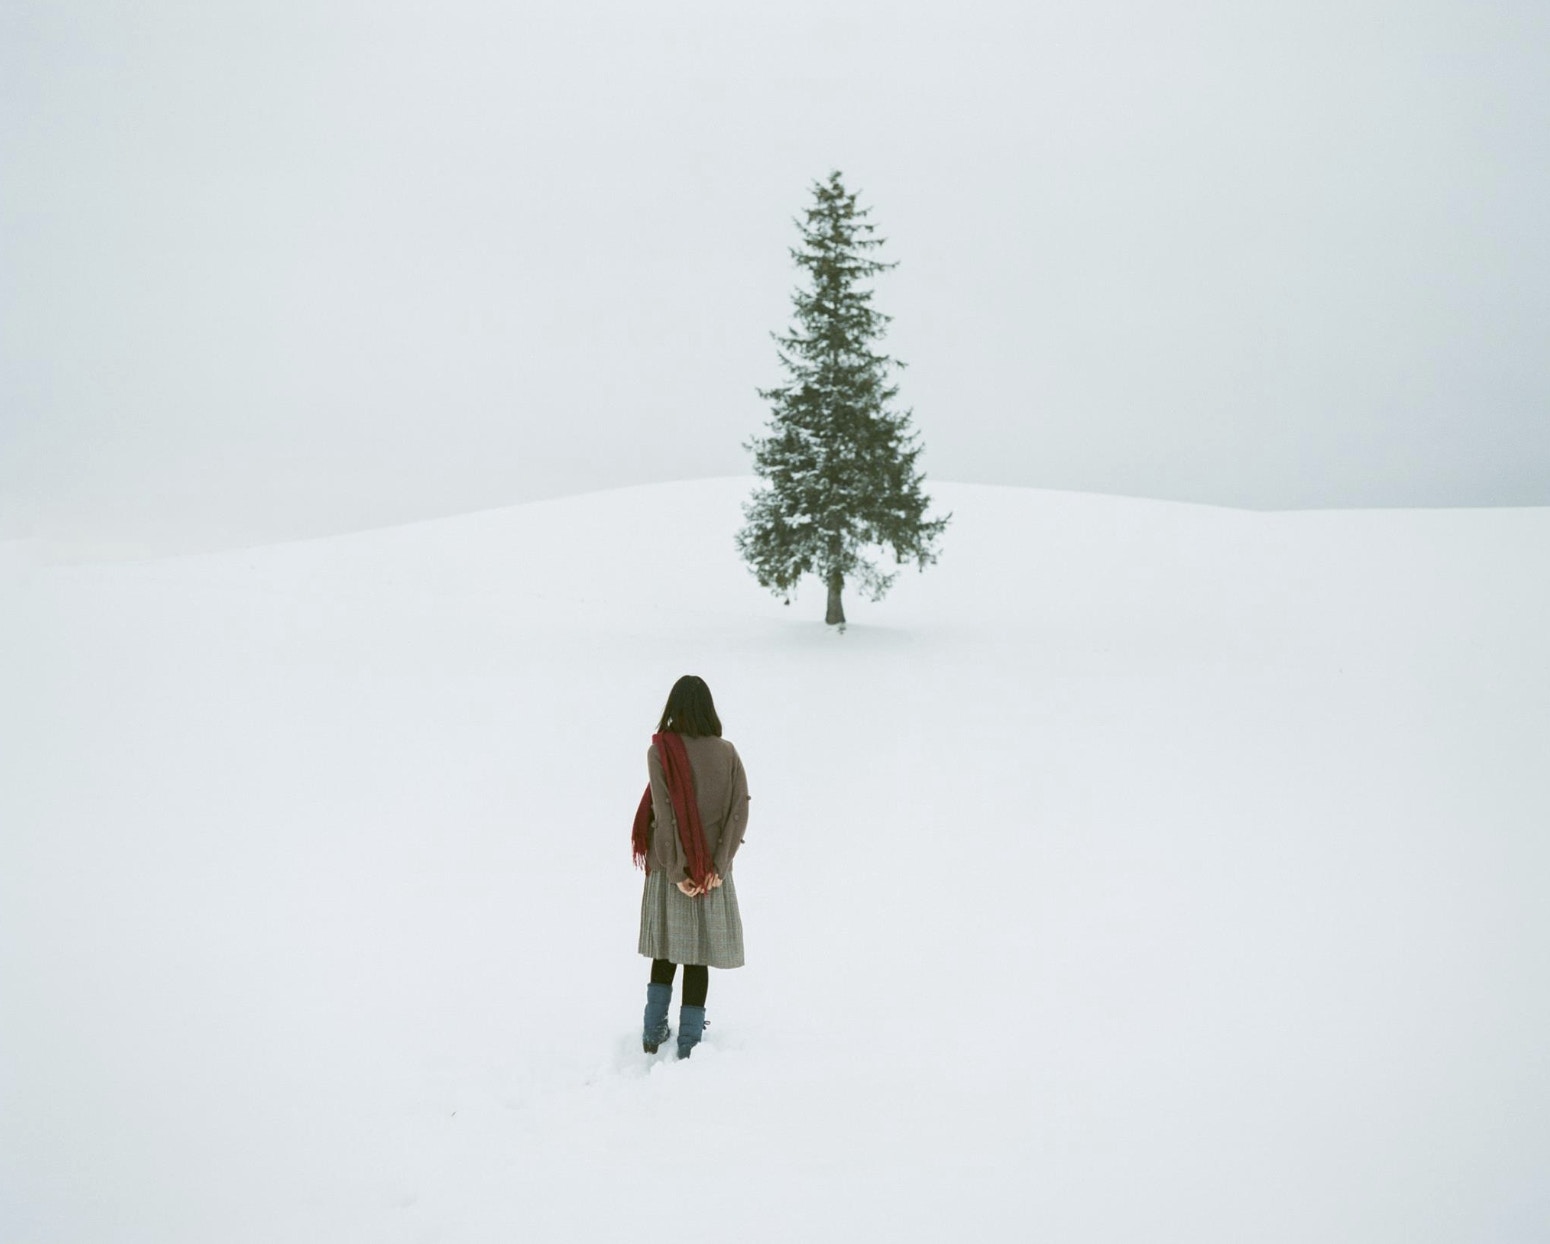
point(686, 810)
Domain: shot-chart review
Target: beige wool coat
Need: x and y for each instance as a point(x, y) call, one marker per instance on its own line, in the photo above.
point(720, 790)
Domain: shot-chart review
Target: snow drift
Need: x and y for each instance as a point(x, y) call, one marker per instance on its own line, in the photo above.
point(1143, 871)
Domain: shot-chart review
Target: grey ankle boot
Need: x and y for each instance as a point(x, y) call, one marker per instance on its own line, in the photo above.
point(691, 1027)
point(656, 1030)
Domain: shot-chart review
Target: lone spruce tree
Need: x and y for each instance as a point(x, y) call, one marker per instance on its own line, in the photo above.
point(838, 462)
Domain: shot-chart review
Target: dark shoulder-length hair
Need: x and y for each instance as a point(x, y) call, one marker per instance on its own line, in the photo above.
point(689, 710)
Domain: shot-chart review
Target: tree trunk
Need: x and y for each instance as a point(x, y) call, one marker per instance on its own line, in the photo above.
point(836, 612)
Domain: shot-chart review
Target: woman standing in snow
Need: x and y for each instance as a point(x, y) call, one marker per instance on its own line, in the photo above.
point(687, 829)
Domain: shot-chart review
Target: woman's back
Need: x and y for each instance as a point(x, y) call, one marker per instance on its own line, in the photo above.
point(721, 795)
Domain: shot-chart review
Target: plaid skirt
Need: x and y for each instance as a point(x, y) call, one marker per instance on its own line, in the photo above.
point(680, 929)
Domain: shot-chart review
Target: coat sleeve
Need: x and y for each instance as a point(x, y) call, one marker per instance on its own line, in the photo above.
point(665, 844)
point(737, 818)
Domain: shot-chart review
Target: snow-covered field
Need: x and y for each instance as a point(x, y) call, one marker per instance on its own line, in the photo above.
point(1142, 872)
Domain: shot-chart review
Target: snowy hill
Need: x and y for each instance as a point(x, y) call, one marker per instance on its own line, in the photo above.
point(1141, 872)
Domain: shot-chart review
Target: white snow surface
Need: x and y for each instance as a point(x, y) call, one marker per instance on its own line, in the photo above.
point(1141, 872)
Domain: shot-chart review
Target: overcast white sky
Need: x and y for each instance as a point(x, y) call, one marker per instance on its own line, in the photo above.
point(291, 266)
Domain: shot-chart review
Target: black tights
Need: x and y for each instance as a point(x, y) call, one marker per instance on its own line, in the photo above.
point(696, 979)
